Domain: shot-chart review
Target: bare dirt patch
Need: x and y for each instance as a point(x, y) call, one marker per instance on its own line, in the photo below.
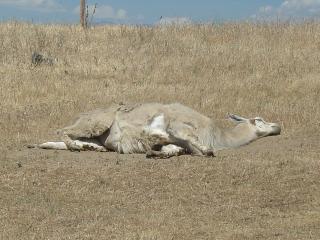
point(267, 190)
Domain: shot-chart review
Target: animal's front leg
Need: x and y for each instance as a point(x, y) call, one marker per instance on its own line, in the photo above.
point(167, 151)
point(199, 149)
point(191, 144)
point(188, 137)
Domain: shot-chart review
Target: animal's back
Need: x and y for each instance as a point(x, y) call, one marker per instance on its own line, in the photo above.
point(142, 114)
point(184, 114)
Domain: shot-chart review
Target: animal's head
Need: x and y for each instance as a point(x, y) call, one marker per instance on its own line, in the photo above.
point(258, 125)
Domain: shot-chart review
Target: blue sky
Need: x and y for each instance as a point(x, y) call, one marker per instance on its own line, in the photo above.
point(150, 11)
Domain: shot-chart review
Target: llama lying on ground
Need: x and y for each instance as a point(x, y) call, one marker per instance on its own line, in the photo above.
point(159, 130)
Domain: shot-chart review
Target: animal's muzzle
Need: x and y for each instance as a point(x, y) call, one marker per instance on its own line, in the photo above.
point(276, 129)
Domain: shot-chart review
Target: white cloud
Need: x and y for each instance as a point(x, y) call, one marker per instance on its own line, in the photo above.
point(174, 21)
point(105, 12)
point(291, 9)
point(299, 4)
point(38, 5)
point(307, 8)
point(266, 9)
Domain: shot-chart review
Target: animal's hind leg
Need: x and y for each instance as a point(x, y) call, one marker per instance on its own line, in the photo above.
point(78, 137)
point(86, 132)
point(50, 145)
point(79, 141)
point(89, 145)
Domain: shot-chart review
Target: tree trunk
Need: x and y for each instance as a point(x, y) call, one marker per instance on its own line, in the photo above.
point(83, 13)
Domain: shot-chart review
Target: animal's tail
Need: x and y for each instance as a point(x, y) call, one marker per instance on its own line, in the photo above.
point(49, 145)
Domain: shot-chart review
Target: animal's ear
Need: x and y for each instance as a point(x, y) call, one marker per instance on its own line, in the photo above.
point(237, 118)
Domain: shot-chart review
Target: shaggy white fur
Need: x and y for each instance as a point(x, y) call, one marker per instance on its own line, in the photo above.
point(160, 130)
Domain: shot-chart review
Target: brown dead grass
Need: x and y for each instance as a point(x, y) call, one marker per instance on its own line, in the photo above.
point(268, 190)
point(269, 70)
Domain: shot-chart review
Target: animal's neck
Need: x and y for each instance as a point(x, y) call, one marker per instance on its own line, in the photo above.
point(233, 137)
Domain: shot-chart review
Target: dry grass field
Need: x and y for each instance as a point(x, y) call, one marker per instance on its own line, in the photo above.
point(267, 190)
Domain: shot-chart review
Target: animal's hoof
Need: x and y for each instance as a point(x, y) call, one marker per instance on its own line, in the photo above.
point(102, 150)
point(210, 153)
point(157, 155)
point(32, 146)
point(150, 154)
point(75, 149)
